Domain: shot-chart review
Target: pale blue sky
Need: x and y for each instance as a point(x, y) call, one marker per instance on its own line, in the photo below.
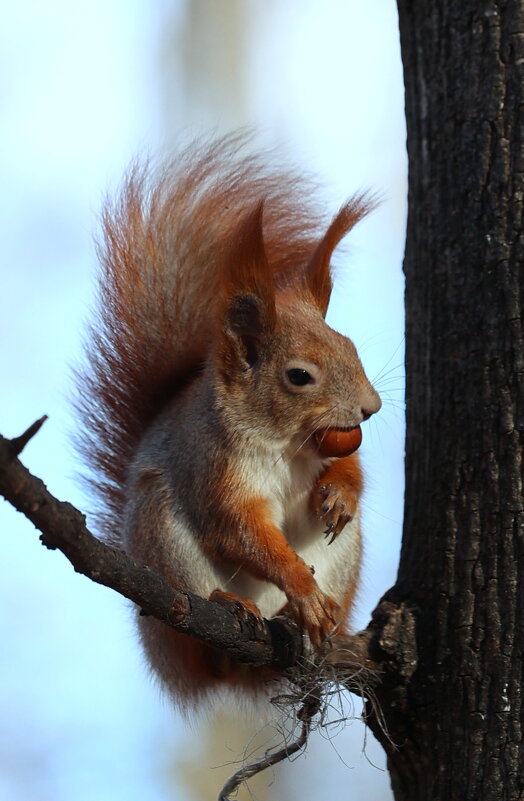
point(84, 89)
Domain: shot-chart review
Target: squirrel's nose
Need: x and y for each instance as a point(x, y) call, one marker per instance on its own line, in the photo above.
point(370, 403)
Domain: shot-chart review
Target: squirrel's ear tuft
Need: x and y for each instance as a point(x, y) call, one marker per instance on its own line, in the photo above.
point(249, 313)
point(247, 271)
point(318, 271)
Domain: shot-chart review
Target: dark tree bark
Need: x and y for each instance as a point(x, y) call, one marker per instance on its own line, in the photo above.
point(456, 725)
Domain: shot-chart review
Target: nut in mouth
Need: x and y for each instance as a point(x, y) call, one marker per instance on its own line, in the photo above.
point(338, 442)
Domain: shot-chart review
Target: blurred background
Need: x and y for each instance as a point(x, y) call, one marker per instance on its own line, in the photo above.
point(84, 88)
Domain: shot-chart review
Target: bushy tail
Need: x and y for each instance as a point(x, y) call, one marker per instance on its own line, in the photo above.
point(165, 242)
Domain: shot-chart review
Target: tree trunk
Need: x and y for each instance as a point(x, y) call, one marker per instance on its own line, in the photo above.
point(456, 726)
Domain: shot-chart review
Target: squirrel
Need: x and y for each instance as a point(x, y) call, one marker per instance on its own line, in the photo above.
point(221, 413)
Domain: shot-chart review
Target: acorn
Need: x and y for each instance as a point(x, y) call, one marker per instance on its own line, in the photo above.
point(337, 442)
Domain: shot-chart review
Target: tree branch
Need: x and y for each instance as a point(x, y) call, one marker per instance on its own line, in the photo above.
point(360, 660)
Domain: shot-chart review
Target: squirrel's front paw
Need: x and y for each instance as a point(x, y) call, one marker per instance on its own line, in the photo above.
point(336, 505)
point(316, 613)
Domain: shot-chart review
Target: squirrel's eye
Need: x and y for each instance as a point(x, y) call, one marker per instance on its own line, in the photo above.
point(299, 377)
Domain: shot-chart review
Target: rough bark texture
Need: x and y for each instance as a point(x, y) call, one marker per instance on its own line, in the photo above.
point(457, 723)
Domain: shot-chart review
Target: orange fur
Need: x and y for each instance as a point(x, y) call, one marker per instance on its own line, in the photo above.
point(215, 281)
point(190, 210)
point(346, 472)
point(263, 549)
point(318, 272)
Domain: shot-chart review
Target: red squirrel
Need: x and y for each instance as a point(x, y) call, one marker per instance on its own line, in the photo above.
point(213, 389)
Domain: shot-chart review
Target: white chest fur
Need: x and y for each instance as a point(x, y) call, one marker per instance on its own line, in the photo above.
point(287, 484)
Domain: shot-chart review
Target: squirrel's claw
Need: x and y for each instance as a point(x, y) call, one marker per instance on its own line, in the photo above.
point(332, 532)
point(336, 505)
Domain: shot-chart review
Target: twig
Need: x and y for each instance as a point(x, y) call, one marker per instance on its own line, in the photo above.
point(310, 707)
point(17, 445)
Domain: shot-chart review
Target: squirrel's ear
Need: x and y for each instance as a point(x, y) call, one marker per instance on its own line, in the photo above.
point(318, 271)
point(247, 270)
point(245, 325)
point(249, 292)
